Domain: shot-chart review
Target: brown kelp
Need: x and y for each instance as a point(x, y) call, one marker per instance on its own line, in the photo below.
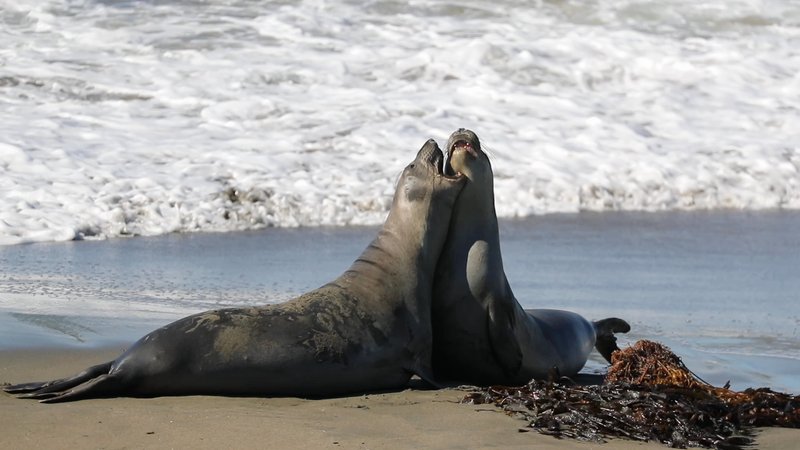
point(647, 395)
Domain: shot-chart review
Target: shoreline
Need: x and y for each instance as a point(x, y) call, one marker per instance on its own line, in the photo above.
point(409, 418)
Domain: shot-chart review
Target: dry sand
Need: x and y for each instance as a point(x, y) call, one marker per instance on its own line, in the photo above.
point(398, 420)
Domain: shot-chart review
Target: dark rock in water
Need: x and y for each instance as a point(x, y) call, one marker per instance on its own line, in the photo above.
point(648, 395)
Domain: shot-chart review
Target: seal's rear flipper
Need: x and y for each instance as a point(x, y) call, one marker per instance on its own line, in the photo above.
point(606, 342)
point(45, 389)
point(26, 387)
point(101, 386)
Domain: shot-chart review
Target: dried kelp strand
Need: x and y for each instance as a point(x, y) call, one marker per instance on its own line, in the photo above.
point(648, 395)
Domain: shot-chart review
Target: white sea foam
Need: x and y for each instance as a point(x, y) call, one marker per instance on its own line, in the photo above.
point(144, 117)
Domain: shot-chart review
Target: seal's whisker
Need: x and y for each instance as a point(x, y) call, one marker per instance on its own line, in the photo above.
point(490, 152)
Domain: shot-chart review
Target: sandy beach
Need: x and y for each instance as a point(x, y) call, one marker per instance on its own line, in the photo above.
point(397, 420)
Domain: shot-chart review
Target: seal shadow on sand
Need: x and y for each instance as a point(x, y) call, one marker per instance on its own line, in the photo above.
point(59, 324)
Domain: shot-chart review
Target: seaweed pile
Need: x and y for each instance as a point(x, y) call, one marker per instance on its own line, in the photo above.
point(648, 395)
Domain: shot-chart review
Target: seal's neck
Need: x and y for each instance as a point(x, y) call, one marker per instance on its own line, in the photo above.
point(396, 254)
point(474, 209)
point(474, 235)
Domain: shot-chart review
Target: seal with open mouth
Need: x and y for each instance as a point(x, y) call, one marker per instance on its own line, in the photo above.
point(367, 330)
point(481, 333)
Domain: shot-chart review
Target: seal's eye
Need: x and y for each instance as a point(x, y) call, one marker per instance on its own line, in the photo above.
point(411, 166)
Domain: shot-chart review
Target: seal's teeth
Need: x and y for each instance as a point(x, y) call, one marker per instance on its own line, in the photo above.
point(462, 145)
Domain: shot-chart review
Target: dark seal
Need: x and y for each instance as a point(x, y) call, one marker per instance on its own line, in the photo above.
point(367, 330)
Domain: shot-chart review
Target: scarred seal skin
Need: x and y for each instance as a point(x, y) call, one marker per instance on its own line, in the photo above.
point(481, 333)
point(367, 330)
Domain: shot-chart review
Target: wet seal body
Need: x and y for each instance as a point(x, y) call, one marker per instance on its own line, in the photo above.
point(481, 333)
point(367, 330)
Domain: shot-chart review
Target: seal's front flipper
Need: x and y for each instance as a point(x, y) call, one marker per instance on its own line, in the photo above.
point(427, 377)
point(500, 325)
point(606, 342)
point(424, 371)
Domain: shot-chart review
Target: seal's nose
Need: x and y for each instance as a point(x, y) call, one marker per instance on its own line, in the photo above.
point(461, 130)
point(429, 152)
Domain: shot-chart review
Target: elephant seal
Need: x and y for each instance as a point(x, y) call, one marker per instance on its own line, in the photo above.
point(481, 333)
point(367, 330)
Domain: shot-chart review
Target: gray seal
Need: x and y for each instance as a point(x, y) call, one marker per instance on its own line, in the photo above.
point(481, 333)
point(367, 330)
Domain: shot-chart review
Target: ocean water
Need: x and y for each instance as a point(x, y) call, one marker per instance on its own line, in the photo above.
point(126, 117)
point(719, 288)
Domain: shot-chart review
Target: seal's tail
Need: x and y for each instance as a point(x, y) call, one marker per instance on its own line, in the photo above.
point(606, 342)
point(91, 382)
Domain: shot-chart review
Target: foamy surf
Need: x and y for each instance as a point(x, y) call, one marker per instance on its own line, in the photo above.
point(145, 118)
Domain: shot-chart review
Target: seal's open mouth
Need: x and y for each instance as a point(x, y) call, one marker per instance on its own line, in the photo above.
point(462, 140)
point(430, 153)
point(437, 159)
point(463, 145)
point(444, 170)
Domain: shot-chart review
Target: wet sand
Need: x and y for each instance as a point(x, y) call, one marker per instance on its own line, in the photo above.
point(397, 420)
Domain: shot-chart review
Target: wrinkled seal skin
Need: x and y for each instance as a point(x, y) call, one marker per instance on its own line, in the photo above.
point(481, 333)
point(367, 330)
